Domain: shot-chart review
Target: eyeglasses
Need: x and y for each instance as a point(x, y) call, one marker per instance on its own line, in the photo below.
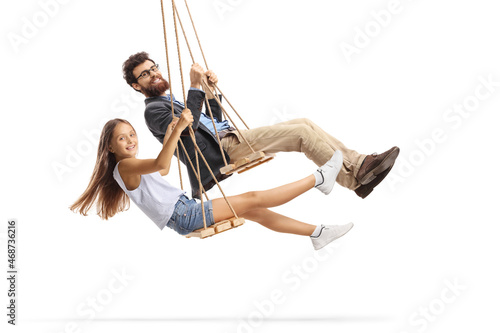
point(145, 74)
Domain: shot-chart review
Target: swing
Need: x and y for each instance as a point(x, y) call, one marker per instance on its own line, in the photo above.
point(217, 228)
point(247, 163)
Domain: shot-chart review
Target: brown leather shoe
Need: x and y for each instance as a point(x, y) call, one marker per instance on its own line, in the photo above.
point(364, 190)
point(375, 164)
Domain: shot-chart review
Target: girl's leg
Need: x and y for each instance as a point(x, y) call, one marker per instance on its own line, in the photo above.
point(260, 199)
point(278, 222)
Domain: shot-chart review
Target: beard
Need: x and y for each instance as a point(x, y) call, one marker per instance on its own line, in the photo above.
point(156, 90)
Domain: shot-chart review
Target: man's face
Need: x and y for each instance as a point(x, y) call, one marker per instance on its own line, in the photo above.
point(151, 85)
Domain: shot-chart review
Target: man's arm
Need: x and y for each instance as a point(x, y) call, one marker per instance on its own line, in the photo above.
point(196, 96)
point(215, 108)
point(211, 79)
point(195, 104)
point(159, 113)
point(158, 116)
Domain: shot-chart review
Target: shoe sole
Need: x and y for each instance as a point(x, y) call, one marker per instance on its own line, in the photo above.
point(387, 162)
point(368, 188)
point(333, 240)
point(365, 193)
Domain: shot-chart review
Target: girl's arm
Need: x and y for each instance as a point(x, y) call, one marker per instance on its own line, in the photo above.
point(132, 166)
point(168, 133)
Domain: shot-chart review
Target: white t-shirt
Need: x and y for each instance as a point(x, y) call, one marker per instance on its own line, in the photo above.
point(154, 196)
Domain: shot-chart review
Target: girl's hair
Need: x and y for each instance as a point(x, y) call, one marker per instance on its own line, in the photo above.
point(103, 188)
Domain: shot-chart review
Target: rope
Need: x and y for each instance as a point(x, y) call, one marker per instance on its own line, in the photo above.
point(201, 187)
point(172, 107)
point(179, 165)
point(206, 99)
point(185, 105)
point(184, 33)
point(229, 117)
point(213, 176)
point(192, 167)
point(206, 64)
point(232, 107)
point(196, 33)
point(191, 132)
point(171, 99)
point(215, 95)
point(215, 128)
point(179, 54)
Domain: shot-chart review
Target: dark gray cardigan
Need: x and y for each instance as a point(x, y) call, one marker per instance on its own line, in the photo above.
point(158, 116)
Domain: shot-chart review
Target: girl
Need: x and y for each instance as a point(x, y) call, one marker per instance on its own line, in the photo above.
point(118, 175)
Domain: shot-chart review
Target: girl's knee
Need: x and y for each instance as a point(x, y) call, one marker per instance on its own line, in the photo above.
point(253, 199)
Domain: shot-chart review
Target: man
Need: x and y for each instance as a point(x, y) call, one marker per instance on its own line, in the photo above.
point(360, 172)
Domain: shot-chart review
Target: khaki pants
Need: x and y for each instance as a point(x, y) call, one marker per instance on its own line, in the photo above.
point(298, 135)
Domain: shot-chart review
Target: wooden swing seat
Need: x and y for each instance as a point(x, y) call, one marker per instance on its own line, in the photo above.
point(217, 228)
point(247, 163)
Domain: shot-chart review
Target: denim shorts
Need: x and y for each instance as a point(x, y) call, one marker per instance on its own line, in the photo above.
point(187, 215)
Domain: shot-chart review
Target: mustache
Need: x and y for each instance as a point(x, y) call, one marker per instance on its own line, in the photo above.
point(158, 89)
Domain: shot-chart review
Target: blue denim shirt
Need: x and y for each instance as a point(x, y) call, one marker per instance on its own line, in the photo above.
point(204, 119)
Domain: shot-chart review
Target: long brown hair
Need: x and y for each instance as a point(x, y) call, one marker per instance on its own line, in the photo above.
point(103, 190)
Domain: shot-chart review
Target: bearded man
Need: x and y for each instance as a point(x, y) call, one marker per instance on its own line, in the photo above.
point(360, 172)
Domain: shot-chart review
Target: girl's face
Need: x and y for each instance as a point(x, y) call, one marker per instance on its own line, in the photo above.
point(124, 143)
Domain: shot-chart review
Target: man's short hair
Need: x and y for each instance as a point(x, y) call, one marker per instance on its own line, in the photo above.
point(132, 62)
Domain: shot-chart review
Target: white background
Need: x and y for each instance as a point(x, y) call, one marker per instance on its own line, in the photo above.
point(431, 224)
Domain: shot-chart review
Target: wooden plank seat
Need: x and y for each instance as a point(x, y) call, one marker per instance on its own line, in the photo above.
point(217, 228)
point(247, 163)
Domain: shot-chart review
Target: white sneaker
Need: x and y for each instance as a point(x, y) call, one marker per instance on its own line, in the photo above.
point(329, 172)
point(329, 233)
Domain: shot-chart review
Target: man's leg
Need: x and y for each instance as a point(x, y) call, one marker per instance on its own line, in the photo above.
point(369, 170)
point(352, 159)
point(299, 135)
